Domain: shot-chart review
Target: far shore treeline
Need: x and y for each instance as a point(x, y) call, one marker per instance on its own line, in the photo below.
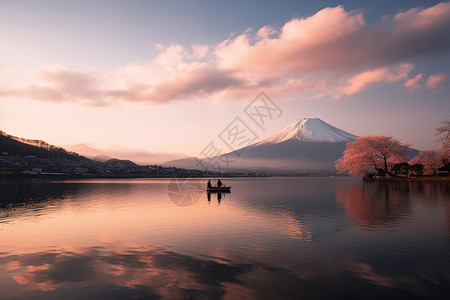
point(371, 156)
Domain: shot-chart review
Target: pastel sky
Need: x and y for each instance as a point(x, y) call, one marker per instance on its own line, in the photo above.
point(169, 76)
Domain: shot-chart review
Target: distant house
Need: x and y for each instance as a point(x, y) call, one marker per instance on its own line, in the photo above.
point(81, 171)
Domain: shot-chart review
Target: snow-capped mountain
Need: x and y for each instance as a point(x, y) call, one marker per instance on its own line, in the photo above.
point(306, 144)
point(310, 130)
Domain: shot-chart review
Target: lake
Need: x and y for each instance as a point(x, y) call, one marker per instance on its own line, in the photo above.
point(270, 238)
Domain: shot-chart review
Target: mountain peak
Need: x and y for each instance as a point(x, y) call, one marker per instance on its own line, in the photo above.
point(311, 130)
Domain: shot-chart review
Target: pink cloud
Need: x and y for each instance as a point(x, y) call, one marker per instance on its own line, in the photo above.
point(59, 84)
point(359, 82)
point(308, 44)
point(435, 81)
point(334, 39)
point(196, 83)
point(413, 84)
point(200, 51)
point(333, 52)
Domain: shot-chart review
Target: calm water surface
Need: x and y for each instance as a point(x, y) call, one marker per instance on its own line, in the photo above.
point(272, 238)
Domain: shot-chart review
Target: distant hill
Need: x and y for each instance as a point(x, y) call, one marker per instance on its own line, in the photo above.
point(23, 147)
point(120, 163)
point(142, 157)
point(35, 158)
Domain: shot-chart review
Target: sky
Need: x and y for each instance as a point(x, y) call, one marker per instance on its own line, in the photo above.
point(170, 76)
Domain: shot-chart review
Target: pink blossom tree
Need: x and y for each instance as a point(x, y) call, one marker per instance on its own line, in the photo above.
point(431, 161)
point(371, 151)
point(443, 132)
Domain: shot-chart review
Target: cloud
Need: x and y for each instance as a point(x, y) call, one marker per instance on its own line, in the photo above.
point(331, 53)
point(413, 84)
point(334, 39)
point(361, 81)
point(201, 82)
point(308, 44)
point(60, 84)
point(200, 51)
point(435, 81)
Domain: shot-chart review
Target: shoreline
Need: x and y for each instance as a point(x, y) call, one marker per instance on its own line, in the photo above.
point(169, 177)
point(411, 179)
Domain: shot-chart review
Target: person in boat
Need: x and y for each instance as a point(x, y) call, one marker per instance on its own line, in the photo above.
point(208, 185)
point(219, 183)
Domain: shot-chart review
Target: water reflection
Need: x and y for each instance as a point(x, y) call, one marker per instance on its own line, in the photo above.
point(383, 205)
point(375, 204)
point(149, 272)
point(218, 196)
point(269, 239)
point(32, 197)
point(15, 192)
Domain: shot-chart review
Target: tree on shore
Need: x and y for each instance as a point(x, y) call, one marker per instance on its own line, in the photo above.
point(443, 133)
point(371, 151)
point(431, 161)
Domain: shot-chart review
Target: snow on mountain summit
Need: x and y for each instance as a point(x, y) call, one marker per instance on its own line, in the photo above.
point(306, 144)
point(310, 130)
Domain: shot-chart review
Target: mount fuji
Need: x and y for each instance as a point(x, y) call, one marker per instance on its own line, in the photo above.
point(306, 144)
point(310, 130)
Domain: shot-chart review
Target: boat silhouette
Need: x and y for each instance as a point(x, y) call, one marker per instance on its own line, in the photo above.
point(222, 189)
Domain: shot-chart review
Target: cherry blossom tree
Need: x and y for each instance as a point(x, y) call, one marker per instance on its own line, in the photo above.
point(431, 161)
point(371, 151)
point(443, 133)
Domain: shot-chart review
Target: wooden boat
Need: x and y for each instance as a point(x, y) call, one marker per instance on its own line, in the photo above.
point(222, 189)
